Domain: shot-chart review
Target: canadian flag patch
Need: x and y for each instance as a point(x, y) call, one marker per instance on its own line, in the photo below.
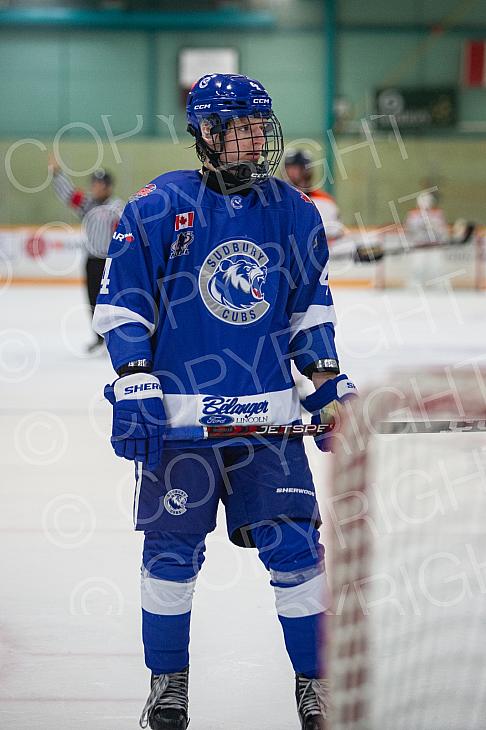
point(184, 220)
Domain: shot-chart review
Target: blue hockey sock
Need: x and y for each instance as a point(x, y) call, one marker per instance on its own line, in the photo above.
point(166, 641)
point(293, 555)
point(170, 566)
point(304, 641)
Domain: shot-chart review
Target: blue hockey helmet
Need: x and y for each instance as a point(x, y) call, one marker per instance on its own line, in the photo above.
point(217, 99)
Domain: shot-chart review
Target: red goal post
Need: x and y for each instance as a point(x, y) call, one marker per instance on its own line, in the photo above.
point(402, 650)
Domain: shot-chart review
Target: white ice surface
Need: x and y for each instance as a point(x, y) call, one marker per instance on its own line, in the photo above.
point(70, 648)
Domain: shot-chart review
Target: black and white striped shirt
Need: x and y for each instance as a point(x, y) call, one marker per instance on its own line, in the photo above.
point(99, 220)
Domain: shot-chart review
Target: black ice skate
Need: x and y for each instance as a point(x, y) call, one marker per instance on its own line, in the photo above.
point(166, 707)
point(312, 697)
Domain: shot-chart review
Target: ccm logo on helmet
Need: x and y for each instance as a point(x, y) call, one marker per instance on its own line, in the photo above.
point(259, 101)
point(202, 106)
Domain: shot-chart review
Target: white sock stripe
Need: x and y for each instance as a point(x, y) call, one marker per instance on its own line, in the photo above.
point(166, 597)
point(305, 599)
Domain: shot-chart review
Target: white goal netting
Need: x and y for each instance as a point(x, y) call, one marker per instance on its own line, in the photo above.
point(407, 560)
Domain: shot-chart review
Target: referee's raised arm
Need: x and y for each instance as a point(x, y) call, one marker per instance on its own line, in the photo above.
point(99, 211)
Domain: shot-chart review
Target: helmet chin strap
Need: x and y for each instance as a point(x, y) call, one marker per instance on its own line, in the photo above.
point(239, 171)
point(233, 173)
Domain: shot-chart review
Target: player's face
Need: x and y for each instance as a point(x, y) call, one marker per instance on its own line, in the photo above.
point(298, 176)
point(100, 191)
point(244, 140)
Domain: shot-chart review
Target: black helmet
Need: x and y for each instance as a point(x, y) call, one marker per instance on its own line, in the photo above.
point(298, 157)
point(103, 176)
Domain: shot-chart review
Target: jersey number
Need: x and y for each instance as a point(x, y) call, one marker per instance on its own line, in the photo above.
point(105, 281)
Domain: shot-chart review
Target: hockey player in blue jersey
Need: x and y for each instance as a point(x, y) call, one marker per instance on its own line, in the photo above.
point(216, 279)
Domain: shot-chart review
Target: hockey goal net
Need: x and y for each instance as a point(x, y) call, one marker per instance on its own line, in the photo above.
point(407, 557)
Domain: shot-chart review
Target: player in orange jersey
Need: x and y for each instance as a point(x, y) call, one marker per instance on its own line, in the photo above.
point(298, 169)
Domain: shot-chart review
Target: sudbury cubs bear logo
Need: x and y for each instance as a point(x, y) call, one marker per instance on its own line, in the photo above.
point(237, 282)
point(232, 281)
point(175, 501)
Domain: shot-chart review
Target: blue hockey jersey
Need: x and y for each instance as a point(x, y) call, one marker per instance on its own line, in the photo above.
point(220, 292)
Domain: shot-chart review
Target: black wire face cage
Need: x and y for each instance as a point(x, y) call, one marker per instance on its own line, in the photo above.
point(247, 148)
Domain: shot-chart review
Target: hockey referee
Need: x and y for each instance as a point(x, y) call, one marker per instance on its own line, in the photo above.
point(99, 212)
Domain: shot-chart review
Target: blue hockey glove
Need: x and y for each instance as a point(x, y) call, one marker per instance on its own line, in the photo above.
point(139, 419)
point(325, 404)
